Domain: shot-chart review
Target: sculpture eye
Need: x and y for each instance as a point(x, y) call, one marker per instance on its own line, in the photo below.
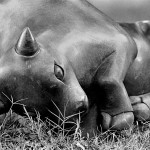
point(59, 72)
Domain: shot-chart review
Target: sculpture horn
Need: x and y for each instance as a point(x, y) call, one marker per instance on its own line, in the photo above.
point(26, 45)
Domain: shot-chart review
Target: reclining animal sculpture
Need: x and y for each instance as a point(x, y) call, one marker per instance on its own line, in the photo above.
point(65, 57)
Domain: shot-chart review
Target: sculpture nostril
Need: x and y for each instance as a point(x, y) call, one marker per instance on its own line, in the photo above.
point(82, 106)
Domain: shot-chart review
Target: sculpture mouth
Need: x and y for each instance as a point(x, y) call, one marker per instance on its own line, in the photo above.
point(83, 113)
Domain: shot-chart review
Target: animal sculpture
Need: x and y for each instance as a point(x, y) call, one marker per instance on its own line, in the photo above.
point(64, 58)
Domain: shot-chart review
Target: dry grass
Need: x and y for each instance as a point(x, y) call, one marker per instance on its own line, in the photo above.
point(21, 133)
point(25, 133)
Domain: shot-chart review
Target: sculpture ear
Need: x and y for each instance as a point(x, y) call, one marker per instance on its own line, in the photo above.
point(145, 27)
point(26, 45)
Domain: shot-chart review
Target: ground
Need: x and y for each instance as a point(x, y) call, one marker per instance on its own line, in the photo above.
point(21, 133)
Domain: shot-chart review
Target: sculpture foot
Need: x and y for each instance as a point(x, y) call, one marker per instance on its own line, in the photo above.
point(117, 122)
point(89, 124)
point(141, 107)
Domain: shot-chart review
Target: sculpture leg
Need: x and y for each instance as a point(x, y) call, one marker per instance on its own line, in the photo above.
point(89, 123)
point(115, 107)
point(141, 106)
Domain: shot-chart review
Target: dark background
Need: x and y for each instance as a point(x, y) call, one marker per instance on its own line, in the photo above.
point(124, 10)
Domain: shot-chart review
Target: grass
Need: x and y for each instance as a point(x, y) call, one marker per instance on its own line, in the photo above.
point(24, 133)
point(19, 133)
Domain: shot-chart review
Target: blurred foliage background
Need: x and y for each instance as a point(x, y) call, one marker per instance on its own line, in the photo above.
point(124, 10)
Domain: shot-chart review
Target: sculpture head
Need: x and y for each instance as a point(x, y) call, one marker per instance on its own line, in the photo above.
point(40, 79)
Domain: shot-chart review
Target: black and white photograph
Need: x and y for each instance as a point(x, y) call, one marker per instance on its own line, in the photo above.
point(74, 74)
